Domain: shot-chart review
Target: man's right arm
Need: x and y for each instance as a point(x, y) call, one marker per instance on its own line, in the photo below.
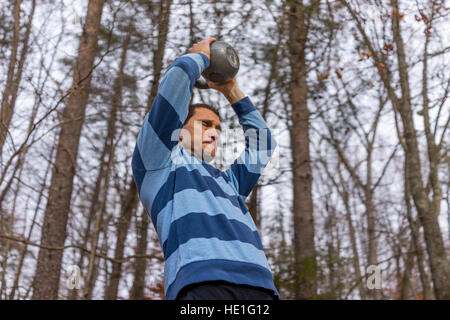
point(169, 110)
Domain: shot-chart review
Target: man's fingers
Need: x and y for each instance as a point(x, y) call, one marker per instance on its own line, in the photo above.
point(205, 41)
point(202, 46)
point(209, 40)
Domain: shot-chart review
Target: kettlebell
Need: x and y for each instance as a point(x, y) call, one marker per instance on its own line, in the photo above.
point(224, 65)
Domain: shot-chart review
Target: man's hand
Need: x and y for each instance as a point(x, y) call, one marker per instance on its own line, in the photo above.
point(229, 89)
point(202, 47)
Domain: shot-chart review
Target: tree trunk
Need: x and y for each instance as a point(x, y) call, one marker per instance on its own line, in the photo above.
point(356, 263)
point(24, 251)
point(405, 286)
point(140, 264)
point(305, 254)
point(158, 57)
point(7, 248)
point(127, 210)
point(372, 239)
point(253, 206)
point(46, 281)
point(132, 194)
point(427, 209)
point(415, 237)
point(108, 158)
point(14, 76)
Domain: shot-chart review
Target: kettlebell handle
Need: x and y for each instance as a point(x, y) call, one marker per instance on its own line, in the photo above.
point(201, 84)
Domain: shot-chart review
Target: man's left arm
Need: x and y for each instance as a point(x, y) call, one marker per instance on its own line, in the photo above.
point(259, 146)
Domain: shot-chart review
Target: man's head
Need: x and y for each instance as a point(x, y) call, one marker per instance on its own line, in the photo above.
point(201, 134)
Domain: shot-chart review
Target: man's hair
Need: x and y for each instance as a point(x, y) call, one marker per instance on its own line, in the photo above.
point(194, 106)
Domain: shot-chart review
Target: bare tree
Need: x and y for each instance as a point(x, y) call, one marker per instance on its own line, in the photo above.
point(299, 16)
point(46, 281)
point(427, 208)
point(15, 70)
point(130, 205)
point(140, 264)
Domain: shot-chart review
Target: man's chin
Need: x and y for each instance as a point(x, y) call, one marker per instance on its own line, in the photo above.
point(209, 149)
point(205, 155)
point(208, 155)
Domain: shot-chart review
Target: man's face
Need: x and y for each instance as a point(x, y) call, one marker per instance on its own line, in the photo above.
point(202, 134)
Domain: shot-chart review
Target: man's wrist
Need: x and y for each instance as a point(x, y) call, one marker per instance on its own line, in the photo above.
point(206, 54)
point(234, 95)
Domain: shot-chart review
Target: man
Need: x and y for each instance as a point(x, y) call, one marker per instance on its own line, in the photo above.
point(211, 246)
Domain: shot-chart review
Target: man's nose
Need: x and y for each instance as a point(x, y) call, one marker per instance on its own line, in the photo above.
point(213, 134)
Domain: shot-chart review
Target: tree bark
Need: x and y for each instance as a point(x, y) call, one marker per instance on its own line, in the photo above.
point(24, 249)
point(253, 206)
point(427, 209)
point(427, 290)
point(356, 263)
point(406, 279)
point(140, 264)
point(127, 210)
point(9, 245)
point(130, 205)
point(14, 75)
point(341, 187)
point(305, 253)
point(46, 281)
point(108, 158)
point(163, 23)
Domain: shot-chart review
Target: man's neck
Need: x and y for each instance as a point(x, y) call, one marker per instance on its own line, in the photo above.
point(199, 157)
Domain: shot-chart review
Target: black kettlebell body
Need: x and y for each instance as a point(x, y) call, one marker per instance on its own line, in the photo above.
point(224, 64)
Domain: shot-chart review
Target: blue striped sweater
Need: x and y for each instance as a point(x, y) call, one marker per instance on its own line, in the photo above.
point(204, 227)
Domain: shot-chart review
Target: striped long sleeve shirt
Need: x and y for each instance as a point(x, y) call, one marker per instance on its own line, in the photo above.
point(204, 227)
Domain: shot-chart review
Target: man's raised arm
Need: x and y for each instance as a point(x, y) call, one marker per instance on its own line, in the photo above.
point(169, 111)
point(259, 143)
point(259, 146)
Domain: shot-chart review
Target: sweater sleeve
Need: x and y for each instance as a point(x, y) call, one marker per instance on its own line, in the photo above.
point(159, 132)
point(259, 146)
